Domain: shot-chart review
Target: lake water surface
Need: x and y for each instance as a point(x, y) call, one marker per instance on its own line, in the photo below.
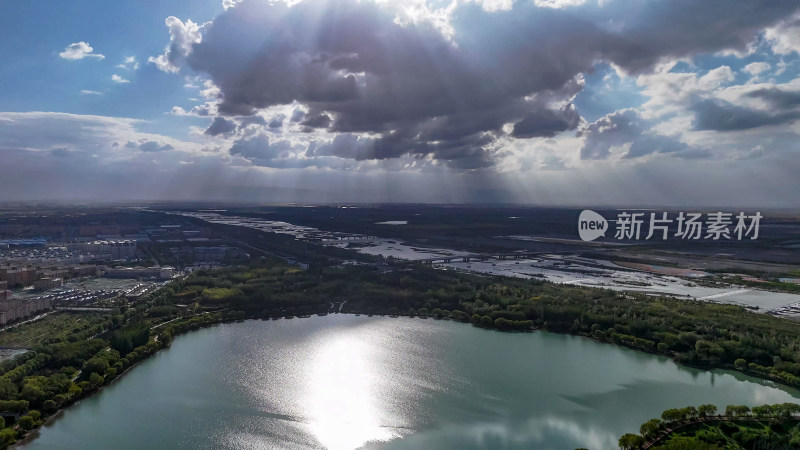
point(344, 382)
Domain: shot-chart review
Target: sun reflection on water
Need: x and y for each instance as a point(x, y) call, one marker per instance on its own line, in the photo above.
point(343, 411)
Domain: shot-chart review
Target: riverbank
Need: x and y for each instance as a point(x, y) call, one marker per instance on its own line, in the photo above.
point(693, 334)
point(33, 434)
point(255, 383)
point(740, 427)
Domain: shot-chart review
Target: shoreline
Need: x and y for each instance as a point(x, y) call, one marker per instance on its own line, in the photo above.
point(35, 432)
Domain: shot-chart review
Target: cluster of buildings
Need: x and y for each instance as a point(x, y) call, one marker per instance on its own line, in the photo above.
point(159, 273)
point(82, 251)
point(74, 251)
point(44, 284)
point(16, 309)
point(115, 249)
point(27, 275)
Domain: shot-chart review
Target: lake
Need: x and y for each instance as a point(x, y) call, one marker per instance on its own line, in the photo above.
point(344, 382)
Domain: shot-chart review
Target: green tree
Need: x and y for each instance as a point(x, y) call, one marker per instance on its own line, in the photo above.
point(33, 393)
point(650, 428)
point(49, 406)
point(7, 388)
point(762, 411)
point(737, 410)
point(95, 380)
point(630, 441)
point(7, 437)
point(26, 422)
point(706, 410)
point(672, 415)
point(95, 364)
point(690, 412)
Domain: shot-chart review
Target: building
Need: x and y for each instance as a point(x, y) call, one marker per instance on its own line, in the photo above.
point(167, 272)
point(47, 283)
point(4, 292)
point(163, 273)
point(118, 249)
point(16, 309)
point(18, 276)
point(85, 270)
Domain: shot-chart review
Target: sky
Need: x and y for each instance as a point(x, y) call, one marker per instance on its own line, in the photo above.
point(552, 102)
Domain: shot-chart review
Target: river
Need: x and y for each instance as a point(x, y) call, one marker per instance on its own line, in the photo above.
point(344, 382)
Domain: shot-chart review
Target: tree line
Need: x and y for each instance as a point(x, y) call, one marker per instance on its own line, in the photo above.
point(730, 429)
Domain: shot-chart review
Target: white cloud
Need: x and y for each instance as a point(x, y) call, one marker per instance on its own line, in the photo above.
point(118, 79)
point(88, 92)
point(204, 110)
point(785, 36)
point(756, 68)
point(43, 131)
point(558, 3)
point(130, 63)
point(670, 92)
point(181, 38)
point(716, 77)
point(495, 5)
point(79, 50)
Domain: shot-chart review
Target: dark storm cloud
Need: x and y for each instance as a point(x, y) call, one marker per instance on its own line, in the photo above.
point(261, 150)
point(778, 98)
point(220, 126)
point(547, 122)
point(316, 121)
point(358, 70)
point(719, 115)
point(676, 28)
